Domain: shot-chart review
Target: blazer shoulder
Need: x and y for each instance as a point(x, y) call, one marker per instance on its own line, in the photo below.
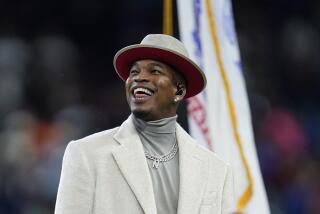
point(212, 157)
point(99, 135)
point(202, 152)
point(95, 141)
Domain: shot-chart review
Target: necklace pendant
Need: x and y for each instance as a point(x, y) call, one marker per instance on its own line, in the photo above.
point(156, 163)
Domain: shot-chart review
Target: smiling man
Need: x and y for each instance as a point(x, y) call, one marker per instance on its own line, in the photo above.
point(149, 164)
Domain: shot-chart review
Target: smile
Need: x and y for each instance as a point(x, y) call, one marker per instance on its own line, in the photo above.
point(141, 92)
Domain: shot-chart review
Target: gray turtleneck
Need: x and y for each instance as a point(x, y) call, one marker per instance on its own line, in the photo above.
point(158, 138)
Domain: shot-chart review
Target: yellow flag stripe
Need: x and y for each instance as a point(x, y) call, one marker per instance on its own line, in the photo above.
point(167, 17)
point(247, 194)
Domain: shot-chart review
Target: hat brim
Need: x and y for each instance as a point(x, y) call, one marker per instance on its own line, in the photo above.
point(194, 77)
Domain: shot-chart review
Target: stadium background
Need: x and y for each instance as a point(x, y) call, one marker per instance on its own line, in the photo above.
point(57, 83)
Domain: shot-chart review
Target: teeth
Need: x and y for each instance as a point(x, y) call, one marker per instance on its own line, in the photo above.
point(144, 90)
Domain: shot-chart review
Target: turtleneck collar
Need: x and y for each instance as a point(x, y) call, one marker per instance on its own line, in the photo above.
point(162, 126)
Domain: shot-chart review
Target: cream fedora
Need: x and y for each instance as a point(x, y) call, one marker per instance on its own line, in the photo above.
point(166, 49)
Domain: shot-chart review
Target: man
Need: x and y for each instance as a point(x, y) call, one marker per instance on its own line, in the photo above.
point(149, 164)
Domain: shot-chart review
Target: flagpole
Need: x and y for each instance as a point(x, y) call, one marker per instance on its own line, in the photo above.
point(167, 17)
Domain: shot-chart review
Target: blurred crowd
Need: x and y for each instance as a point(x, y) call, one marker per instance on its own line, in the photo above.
point(57, 84)
point(280, 45)
point(41, 110)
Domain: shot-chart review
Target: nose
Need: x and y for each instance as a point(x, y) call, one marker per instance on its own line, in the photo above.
point(142, 76)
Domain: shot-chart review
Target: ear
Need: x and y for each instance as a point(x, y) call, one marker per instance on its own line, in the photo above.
point(180, 93)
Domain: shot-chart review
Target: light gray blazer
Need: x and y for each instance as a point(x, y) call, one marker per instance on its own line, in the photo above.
point(107, 172)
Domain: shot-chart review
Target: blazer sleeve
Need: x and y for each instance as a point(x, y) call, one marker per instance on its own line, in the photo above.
point(228, 193)
point(76, 187)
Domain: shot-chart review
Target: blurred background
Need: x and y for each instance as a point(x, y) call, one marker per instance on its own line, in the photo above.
point(57, 83)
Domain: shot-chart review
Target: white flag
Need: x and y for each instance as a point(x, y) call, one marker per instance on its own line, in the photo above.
point(219, 118)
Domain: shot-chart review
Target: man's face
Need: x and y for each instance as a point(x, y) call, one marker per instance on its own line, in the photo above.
point(151, 89)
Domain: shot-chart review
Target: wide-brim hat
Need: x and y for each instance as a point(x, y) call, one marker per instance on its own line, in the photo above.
point(166, 49)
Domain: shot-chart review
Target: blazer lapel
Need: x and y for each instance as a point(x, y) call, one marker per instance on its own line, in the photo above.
point(132, 163)
point(193, 174)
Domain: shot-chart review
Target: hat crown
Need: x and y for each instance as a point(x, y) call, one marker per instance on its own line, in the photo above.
point(165, 42)
point(165, 49)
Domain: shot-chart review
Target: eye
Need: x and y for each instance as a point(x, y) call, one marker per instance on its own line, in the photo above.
point(156, 71)
point(133, 71)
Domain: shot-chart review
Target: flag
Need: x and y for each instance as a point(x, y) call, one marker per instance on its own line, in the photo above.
point(219, 118)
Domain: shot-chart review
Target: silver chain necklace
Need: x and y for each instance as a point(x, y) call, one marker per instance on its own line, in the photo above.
point(157, 160)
